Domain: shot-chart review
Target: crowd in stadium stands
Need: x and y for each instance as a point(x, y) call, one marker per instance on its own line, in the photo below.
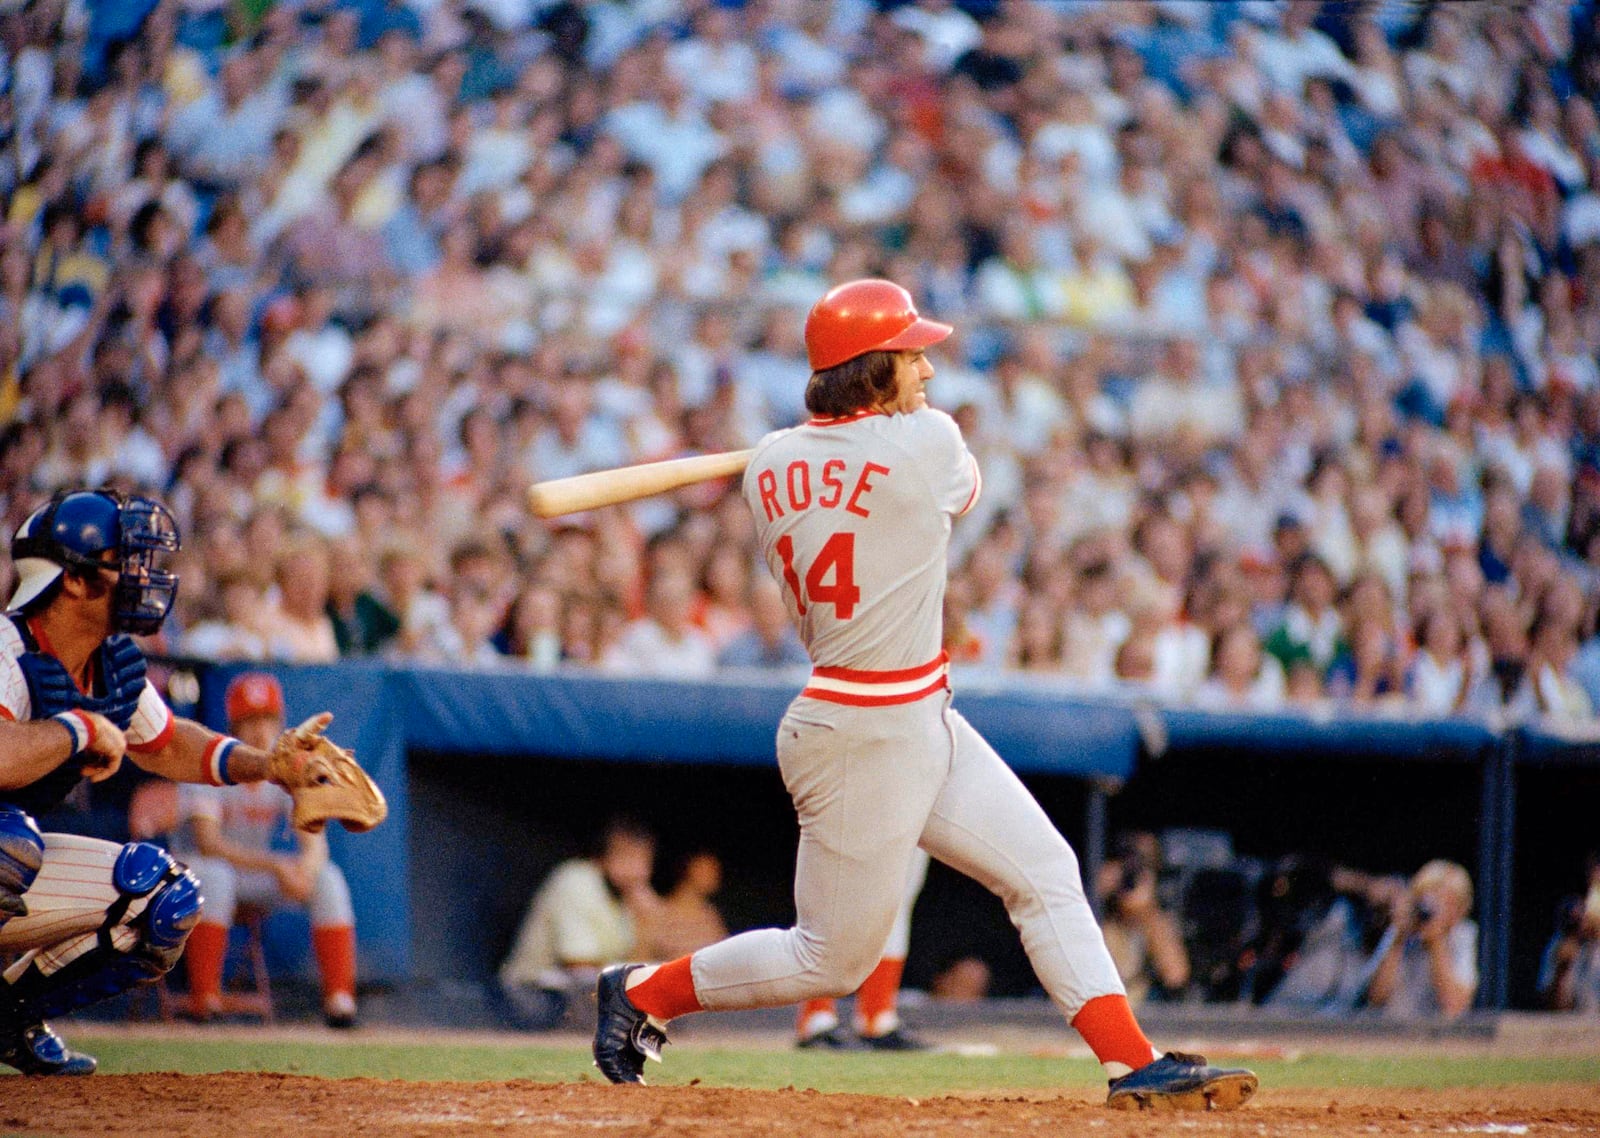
point(1277, 322)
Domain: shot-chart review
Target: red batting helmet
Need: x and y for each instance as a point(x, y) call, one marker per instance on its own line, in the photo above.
point(253, 693)
point(864, 316)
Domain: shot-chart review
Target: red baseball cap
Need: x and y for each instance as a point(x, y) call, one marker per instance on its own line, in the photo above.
point(254, 693)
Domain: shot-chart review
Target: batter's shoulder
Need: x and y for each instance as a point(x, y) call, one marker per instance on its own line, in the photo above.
point(772, 439)
point(763, 448)
point(928, 431)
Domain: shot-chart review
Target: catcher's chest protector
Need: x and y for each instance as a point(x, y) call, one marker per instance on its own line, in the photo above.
point(51, 690)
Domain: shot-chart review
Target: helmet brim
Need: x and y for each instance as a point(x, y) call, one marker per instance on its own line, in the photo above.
point(34, 576)
point(921, 333)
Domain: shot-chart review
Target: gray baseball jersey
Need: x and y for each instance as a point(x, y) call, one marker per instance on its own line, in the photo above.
point(853, 516)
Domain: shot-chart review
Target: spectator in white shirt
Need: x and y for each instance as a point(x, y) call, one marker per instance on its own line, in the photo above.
point(664, 642)
point(1298, 51)
point(1441, 675)
point(1243, 678)
point(714, 63)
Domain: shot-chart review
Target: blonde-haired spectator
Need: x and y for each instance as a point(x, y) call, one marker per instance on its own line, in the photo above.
point(1426, 965)
point(298, 628)
point(1554, 645)
point(1243, 677)
point(234, 629)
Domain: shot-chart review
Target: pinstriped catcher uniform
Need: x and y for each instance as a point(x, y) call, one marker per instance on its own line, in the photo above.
point(82, 919)
point(69, 899)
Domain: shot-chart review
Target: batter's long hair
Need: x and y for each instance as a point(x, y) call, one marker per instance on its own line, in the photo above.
point(855, 385)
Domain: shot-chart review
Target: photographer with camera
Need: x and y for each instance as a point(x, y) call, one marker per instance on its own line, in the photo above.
point(1145, 940)
point(1426, 965)
point(1569, 973)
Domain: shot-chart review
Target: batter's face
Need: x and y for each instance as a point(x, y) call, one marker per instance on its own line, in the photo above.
point(912, 370)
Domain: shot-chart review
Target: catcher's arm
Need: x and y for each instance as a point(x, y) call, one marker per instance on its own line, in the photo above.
point(323, 778)
point(193, 754)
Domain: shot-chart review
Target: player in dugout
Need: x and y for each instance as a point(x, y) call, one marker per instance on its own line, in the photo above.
point(853, 512)
point(241, 843)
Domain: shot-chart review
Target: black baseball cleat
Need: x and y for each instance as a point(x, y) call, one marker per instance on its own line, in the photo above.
point(1182, 1082)
point(36, 1050)
point(895, 1039)
point(624, 1037)
point(831, 1039)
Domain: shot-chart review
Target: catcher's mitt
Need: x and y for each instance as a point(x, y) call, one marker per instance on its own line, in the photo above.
point(324, 779)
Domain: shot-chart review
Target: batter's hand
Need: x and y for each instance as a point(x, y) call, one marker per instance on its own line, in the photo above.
point(107, 744)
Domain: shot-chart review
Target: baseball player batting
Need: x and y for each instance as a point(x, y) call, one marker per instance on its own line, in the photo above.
point(853, 511)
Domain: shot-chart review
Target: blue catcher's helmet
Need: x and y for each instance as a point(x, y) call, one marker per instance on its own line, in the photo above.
point(73, 531)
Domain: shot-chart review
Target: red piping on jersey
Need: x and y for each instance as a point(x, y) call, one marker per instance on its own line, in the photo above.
point(853, 700)
point(977, 485)
point(840, 420)
point(896, 676)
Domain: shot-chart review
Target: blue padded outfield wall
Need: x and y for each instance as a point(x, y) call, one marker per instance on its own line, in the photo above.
point(384, 712)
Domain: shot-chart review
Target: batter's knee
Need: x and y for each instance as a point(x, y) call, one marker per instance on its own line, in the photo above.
point(840, 969)
point(171, 895)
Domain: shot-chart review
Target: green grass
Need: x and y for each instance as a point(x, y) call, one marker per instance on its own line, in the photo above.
point(915, 1075)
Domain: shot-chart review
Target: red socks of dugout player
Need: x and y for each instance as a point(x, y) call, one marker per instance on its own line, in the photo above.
point(876, 1001)
point(877, 997)
point(665, 992)
point(335, 947)
point(204, 954)
point(1108, 1027)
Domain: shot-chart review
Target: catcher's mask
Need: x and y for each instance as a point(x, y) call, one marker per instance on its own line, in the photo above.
point(71, 533)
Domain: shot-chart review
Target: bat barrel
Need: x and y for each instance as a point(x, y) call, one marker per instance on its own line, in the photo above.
point(629, 483)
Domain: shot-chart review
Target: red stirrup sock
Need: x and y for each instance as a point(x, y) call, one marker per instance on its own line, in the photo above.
point(1108, 1027)
point(877, 997)
point(335, 948)
point(666, 993)
point(816, 1016)
point(204, 954)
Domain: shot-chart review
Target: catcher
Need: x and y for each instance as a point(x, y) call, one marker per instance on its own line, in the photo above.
point(83, 919)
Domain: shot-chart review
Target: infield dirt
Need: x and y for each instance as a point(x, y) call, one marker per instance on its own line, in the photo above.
point(291, 1106)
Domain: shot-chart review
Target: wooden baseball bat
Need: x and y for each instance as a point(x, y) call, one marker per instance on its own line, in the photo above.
point(627, 483)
